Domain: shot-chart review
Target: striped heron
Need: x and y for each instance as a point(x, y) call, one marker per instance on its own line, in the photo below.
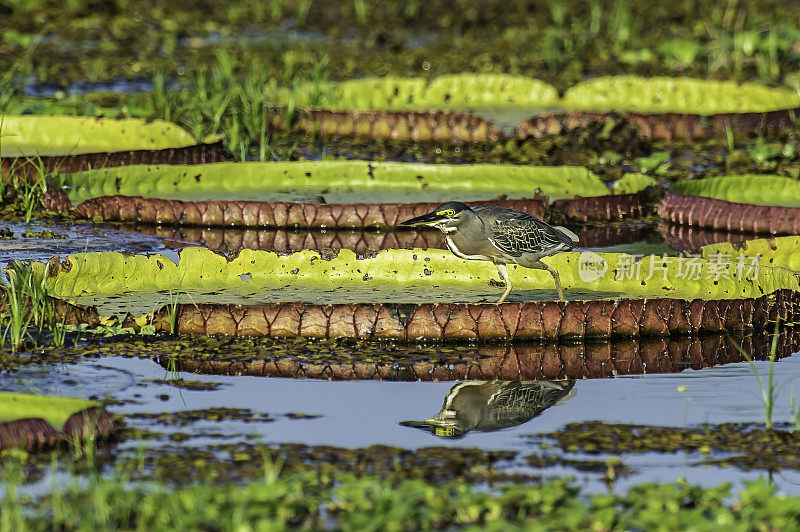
point(503, 236)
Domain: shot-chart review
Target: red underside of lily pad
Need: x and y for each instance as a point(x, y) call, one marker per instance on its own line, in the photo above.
point(720, 214)
point(521, 362)
point(536, 320)
point(35, 433)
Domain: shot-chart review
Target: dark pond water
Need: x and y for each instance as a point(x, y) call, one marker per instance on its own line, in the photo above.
point(360, 414)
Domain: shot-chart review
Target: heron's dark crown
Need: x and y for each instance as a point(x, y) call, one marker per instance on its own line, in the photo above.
point(455, 206)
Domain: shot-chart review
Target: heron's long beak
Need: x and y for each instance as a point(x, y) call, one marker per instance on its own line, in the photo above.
point(429, 219)
point(438, 427)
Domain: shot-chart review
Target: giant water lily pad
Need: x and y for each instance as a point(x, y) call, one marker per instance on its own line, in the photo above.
point(30, 135)
point(752, 189)
point(677, 95)
point(334, 182)
point(411, 294)
point(752, 203)
point(489, 107)
point(400, 276)
point(37, 420)
point(335, 193)
point(458, 91)
point(651, 95)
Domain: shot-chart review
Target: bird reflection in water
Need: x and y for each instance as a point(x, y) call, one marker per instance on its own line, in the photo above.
point(487, 406)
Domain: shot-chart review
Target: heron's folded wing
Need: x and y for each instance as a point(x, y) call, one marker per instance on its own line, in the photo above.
point(518, 233)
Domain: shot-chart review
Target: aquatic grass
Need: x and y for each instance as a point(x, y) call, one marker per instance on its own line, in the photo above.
point(220, 100)
point(9, 80)
point(361, 10)
point(172, 309)
point(18, 305)
point(34, 189)
point(84, 499)
point(301, 11)
point(768, 390)
point(794, 412)
point(29, 306)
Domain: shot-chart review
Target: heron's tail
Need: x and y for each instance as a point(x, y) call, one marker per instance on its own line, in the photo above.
point(567, 233)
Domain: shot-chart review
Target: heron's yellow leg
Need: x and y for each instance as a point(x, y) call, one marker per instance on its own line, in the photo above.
point(504, 273)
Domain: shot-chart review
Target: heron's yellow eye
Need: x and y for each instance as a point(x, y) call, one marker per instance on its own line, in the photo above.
point(446, 212)
point(445, 431)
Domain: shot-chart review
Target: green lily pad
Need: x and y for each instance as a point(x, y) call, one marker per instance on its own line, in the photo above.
point(55, 410)
point(753, 189)
point(334, 182)
point(677, 95)
point(139, 284)
point(456, 92)
point(632, 183)
point(29, 136)
point(779, 252)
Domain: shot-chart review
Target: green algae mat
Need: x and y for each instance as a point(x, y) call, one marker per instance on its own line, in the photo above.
point(635, 94)
point(31, 136)
point(334, 182)
point(138, 284)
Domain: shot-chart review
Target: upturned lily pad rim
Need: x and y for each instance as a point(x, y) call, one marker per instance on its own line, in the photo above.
point(45, 135)
point(752, 189)
point(55, 410)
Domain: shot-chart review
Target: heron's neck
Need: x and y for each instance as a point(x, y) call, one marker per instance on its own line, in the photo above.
point(470, 240)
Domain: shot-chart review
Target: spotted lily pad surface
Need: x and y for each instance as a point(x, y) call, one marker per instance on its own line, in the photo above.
point(30, 135)
point(779, 252)
point(334, 182)
point(676, 95)
point(754, 189)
